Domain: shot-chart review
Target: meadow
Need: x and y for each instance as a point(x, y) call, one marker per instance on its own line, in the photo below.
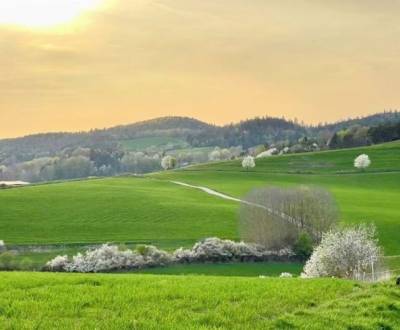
point(152, 210)
point(75, 301)
point(142, 143)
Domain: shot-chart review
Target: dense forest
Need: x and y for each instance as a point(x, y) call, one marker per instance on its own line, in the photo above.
point(104, 152)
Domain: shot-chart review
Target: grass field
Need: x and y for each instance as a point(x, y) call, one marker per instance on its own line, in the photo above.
point(372, 196)
point(153, 210)
point(72, 301)
point(142, 143)
point(229, 269)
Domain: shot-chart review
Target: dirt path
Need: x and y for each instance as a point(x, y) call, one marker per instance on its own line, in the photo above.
point(221, 195)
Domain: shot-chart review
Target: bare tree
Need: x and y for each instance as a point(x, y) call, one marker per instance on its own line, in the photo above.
point(275, 217)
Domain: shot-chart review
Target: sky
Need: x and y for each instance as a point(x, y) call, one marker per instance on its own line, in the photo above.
point(71, 65)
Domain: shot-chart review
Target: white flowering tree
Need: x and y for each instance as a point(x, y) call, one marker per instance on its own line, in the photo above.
point(362, 162)
point(347, 253)
point(248, 162)
point(168, 162)
point(2, 245)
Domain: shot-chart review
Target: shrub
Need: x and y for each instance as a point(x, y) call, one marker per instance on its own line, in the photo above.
point(26, 264)
point(303, 247)
point(218, 250)
point(7, 261)
point(286, 275)
point(153, 256)
point(362, 162)
point(248, 162)
point(109, 258)
point(58, 264)
point(347, 253)
point(168, 162)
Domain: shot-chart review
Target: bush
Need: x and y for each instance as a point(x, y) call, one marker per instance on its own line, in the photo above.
point(7, 261)
point(362, 162)
point(110, 258)
point(26, 264)
point(303, 247)
point(58, 264)
point(248, 162)
point(218, 250)
point(168, 162)
point(286, 275)
point(347, 253)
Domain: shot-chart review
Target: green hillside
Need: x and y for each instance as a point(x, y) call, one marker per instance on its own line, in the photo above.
point(114, 209)
point(72, 301)
point(141, 143)
point(154, 210)
point(370, 196)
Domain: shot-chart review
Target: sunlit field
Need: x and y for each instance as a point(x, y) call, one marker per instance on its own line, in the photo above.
point(34, 300)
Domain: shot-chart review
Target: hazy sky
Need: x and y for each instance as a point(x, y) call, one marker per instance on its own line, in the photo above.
point(74, 65)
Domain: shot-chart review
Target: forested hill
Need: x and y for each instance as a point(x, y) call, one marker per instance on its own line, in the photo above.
point(184, 132)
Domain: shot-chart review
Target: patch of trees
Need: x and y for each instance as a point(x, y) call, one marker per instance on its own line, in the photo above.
point(357, 136)
point(279, 218)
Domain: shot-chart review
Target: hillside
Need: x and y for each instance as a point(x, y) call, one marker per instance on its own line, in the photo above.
point(363, 197)
point(152, 209)
point(189, 130)
point(46, 301)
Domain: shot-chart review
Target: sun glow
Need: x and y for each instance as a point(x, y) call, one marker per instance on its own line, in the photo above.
point(43, 13)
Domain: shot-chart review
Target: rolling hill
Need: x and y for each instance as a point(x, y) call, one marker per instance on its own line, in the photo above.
point(152, 209)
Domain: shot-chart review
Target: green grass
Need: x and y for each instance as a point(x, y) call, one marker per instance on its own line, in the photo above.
point(152, 141)
point(114, 209)
point(153, 210)
point(72, 301)
point(229, 269)
point(372, 196)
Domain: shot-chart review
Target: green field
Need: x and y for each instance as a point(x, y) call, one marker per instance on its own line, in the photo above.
point(72, 301)
point(372, 196)
point(155, 211)
point(229, 269)
point(143, 143)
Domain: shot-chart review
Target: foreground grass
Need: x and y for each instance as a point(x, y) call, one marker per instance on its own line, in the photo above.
point(71, 301)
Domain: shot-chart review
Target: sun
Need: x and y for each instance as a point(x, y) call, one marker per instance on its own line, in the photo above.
point(43, 13)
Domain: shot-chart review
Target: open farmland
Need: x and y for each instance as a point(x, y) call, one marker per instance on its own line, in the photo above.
point(153, 210)
point(46, 301)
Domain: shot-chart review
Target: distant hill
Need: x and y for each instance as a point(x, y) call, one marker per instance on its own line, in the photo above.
point(190, 132)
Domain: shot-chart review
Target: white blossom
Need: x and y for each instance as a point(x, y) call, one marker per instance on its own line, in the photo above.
point(362, 161)
point(59, 263)
point(168, 162)
point(286, 275)
point(346, 253)
point(248, 162)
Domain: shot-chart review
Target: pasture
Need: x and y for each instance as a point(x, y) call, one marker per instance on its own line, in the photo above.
point(71, 301)
point(152, 210)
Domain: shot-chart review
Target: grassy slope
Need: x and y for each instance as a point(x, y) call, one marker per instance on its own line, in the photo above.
point(115, 209)
point(152, 141)
point(34, 300)
point(372, 196)
point(153, 210)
